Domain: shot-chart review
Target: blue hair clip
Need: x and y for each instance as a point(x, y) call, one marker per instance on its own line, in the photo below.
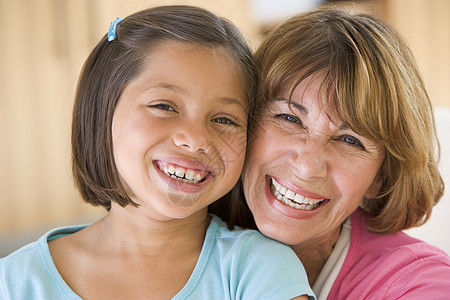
point(112, 29)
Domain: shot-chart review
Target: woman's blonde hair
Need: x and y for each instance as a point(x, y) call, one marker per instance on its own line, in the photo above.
point(373, 82)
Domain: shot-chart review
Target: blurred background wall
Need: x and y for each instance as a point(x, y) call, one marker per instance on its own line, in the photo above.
point(44, 43)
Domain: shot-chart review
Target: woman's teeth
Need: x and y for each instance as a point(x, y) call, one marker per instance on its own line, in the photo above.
point(294, 200)
point(182, 174)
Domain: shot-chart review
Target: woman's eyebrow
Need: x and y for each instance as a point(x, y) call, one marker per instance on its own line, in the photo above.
point(301, 109)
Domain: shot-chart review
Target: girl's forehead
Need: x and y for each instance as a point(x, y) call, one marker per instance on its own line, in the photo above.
point(219, 52)
point(191, 67)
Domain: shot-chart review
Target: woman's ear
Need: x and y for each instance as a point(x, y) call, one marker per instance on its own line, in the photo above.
point(377, 183)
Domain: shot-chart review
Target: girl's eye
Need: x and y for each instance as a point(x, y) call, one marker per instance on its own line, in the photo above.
point(352, 141)
point(163, 106)
point(225, 121)
point(289, 118)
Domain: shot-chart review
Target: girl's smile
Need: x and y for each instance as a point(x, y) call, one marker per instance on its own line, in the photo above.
point(184, 175)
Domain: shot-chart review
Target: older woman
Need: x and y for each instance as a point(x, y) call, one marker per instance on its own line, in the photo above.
point(343, 157)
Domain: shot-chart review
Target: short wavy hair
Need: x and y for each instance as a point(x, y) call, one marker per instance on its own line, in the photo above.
point(113, 64)
point(371, 79)
point(374, 84)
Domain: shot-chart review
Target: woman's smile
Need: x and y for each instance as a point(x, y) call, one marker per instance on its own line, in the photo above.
point(315, 175)
point(293, 199)
point(296, 205)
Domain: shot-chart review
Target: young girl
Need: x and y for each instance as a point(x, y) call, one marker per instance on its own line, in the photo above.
point(158, 134)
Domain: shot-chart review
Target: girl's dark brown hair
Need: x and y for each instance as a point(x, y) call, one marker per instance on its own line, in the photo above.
point(111, 65)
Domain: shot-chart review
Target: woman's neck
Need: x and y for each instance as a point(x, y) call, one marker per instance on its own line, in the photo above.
point(314, 254)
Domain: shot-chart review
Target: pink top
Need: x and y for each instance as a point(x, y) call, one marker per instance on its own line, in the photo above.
point(395, 266)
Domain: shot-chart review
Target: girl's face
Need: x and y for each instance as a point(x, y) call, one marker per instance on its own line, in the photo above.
point(179, 130)
point(304, 174)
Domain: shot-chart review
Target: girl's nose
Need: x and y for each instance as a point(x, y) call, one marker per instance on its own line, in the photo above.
point(192, 138)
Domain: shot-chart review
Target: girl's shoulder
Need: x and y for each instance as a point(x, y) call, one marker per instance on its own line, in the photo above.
point(30, 271)
point(253, 265)
point(239, 236)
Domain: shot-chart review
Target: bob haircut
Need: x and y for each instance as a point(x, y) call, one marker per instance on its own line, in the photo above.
point(371, 80)
point(111, 65)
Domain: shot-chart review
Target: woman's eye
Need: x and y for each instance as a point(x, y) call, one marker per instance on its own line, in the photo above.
point(225, 121)
point(289, 118)
point(352, 141)
point(163, 106)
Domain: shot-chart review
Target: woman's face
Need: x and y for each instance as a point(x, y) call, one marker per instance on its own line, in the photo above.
point(305, 174)
point(179, 130)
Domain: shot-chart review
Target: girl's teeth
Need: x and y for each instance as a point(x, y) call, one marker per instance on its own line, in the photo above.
point(182, 174)
point(289, 197)
point(197, 177)
point(189, 174)
point(171, 169)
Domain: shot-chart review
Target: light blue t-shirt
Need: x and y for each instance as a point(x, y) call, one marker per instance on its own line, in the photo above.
point(238, 264)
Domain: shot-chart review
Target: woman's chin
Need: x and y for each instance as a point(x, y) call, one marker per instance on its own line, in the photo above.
point(279, 231)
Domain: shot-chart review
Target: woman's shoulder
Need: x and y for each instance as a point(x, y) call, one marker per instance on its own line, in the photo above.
point(392, 265)
point(399, 243)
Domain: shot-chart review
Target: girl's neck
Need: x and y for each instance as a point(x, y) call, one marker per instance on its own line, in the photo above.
point(126, 228)
point(137, 254)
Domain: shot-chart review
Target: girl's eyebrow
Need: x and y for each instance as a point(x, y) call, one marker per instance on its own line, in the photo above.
point(177, 89)
point(166, 86)
point(297, 106)
point(228, 100)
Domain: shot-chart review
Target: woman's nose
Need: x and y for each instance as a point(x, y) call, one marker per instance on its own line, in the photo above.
point(192, 138)
point(309, 161)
